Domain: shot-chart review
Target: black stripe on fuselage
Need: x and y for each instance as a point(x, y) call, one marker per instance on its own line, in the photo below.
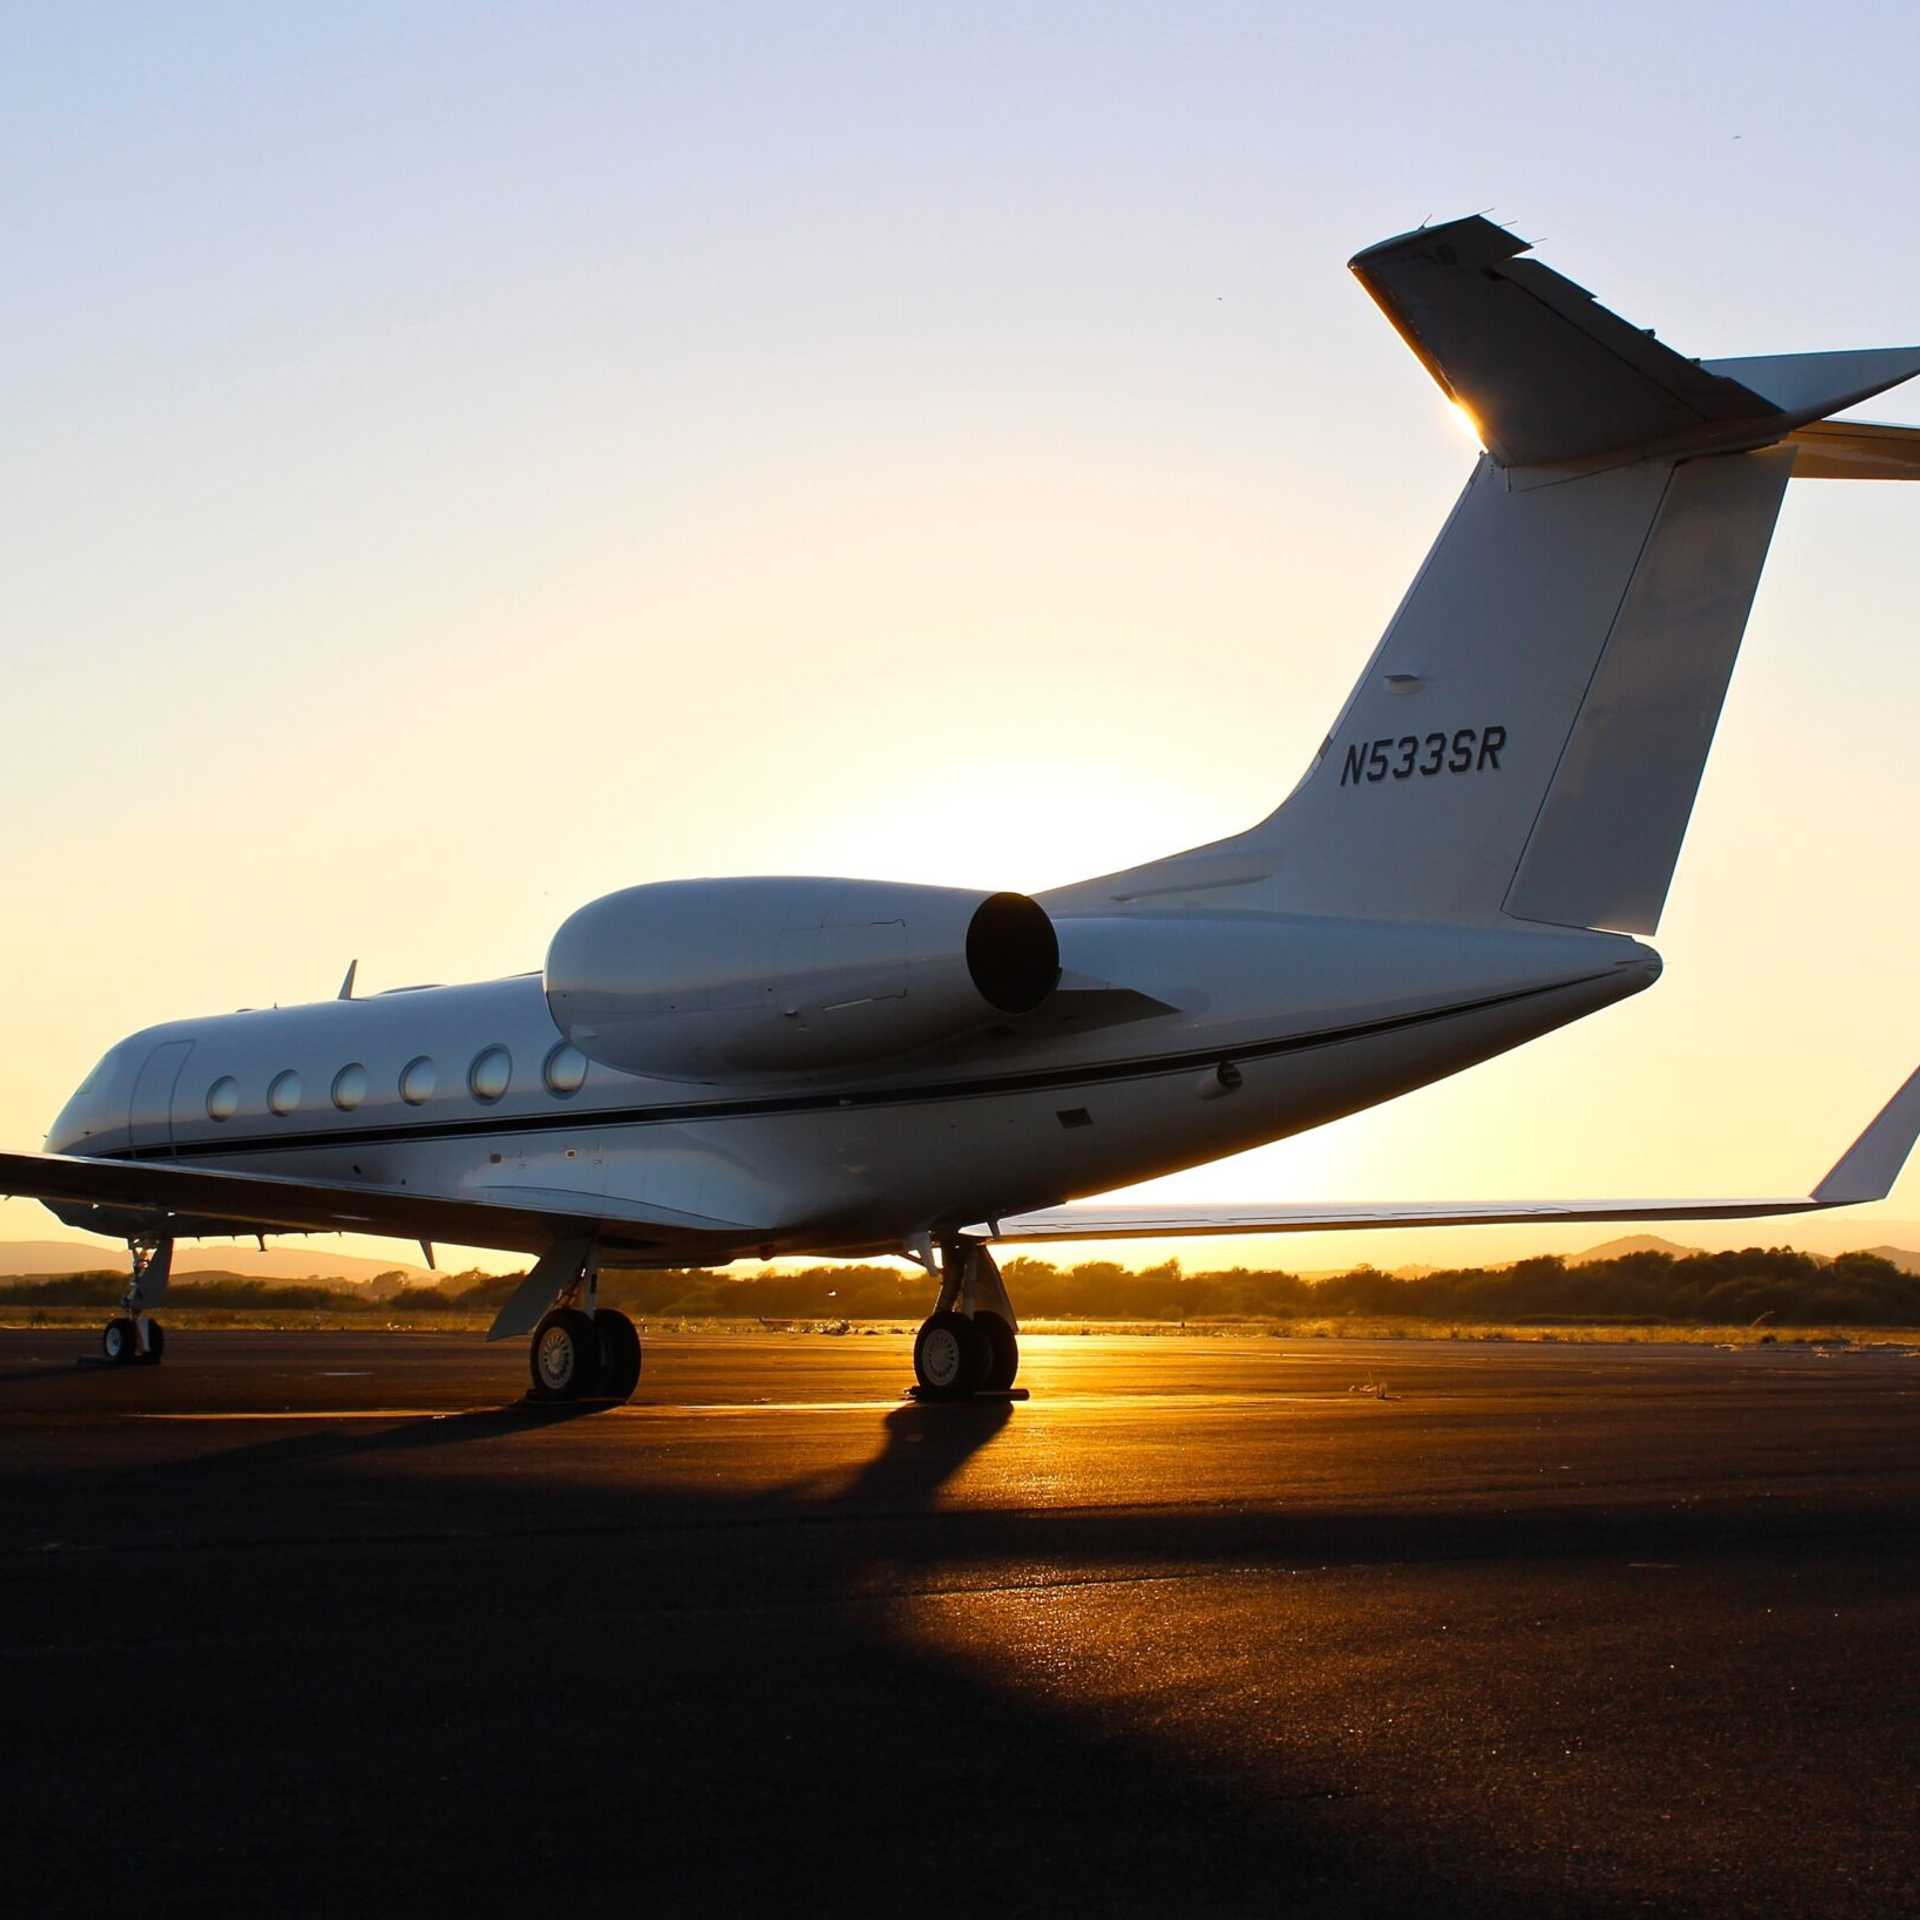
point(574, 1119)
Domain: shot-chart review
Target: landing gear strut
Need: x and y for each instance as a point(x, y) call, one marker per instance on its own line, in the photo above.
point(969, 1343)
point(134, 1336)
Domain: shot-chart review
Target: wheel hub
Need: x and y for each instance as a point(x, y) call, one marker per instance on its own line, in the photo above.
point(941, 1358)
point(556, 1357)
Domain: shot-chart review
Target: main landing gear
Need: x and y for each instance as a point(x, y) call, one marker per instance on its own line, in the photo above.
point(969, 1344)
point(133, 1337)
point(580, 1349)
point(577, 1355)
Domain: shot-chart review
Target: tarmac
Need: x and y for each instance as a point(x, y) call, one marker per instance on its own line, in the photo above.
point(309, 1622)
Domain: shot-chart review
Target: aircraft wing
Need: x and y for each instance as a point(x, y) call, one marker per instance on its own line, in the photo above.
point(1865, 1172)
point(145, 1197)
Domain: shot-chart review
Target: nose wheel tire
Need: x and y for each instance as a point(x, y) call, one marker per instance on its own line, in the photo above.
point(120, 1342)
point(619, 1353)
point(565, 1357)
point(950, 1357)
point(1003, 1351)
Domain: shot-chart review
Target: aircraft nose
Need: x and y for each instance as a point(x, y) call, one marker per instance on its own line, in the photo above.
point(86, 1124)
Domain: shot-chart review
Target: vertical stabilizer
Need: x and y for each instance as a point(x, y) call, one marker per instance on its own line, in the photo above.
point(1425, 794)
point(1603, 850)
point(1528, 738)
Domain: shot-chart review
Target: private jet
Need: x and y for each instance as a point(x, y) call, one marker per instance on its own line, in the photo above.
point(710, 1070)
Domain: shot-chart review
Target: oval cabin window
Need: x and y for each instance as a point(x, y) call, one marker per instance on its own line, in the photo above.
point(284, 1095)
point(417, 1082)
point(491, 1074)
point(349, 1087)
point(223, 1098)
point(566, 1069)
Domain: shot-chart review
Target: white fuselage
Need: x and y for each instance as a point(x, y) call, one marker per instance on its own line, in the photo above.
point(1313, 1017)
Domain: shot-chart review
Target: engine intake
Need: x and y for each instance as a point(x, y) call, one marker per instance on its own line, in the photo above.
point(714, 979)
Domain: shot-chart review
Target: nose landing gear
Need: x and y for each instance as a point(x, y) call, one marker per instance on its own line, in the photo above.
point(969, 1344)
point(134, 1337)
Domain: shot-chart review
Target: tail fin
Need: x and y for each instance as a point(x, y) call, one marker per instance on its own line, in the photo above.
point(1530, 734)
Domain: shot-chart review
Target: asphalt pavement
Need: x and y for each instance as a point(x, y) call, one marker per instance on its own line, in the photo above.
point(323, 1622)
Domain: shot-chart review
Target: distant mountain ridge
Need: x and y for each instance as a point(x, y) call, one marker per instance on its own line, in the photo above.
point(1907, 1259)
point(52, 1257)
point(1630, 1243)
point(48, 1258)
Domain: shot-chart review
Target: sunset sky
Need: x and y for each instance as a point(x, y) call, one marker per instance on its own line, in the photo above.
point(457, 462)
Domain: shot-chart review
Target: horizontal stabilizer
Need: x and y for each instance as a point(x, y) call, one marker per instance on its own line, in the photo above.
point(1866, 1172)
point(1855, 450)
point(1809, 386)
point(1553, 379)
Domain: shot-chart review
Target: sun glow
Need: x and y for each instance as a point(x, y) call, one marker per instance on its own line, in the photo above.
point(1466, 423)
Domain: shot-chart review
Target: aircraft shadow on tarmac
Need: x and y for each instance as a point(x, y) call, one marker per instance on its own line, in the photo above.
point(923, 1448)
point(767, 1709)
point(735, 1683)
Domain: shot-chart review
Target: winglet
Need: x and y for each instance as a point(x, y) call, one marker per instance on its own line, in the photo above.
point(1868, 1168)
point(346, 985)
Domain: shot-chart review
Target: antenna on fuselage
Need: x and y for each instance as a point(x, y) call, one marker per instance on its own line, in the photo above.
point(346, 985)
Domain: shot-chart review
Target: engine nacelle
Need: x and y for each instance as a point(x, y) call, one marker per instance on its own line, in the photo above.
point(712, 979)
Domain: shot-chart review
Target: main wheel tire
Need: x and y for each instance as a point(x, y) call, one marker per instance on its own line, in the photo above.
point(950, 1356)
point(156, 1341)
point(565, 1357)
point(118, 1340)
point(619, 1353)
point(1003, 1351)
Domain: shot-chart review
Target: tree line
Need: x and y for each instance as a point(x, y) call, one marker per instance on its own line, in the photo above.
point(1777, 1285)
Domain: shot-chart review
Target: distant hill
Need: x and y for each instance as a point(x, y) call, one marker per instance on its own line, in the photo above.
point(1834, 1234)
point(49, 1257)
point(1626, 1244)
point(1837, 1232)
point(1414, 1271)
point(1905, 1258)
